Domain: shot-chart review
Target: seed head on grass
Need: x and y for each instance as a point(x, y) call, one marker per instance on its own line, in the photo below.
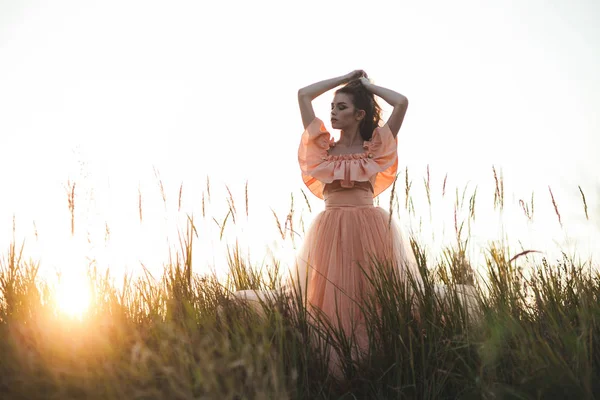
point(179, 197)
point(289, 221)
point(231, 203)
point(407, 186)
point(444, 185)
point(246, 197)
point(281, 231)
point(208, 188)
point(106, 232)
point(427, 183)
point(555, 206)
point(306, 200)
point(161, 187)
point(392, 197)
point(472, 204)
point(525, 208)
point(499, 190)
point(71, 202)
point(140, 203)
point(585, 207)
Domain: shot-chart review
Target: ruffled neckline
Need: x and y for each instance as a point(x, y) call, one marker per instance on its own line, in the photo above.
point(350, 156)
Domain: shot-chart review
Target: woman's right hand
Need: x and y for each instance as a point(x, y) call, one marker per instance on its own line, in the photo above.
point(356, 74)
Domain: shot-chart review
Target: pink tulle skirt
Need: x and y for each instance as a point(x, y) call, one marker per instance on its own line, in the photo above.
point(332, 265)
point(340, 247)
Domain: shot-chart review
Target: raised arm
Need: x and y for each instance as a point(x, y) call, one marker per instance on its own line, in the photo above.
point(395, 99)
point(307, 94)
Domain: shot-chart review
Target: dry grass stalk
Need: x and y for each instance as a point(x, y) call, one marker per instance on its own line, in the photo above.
point(208, 188)
point(246, 197)
point(231, 204)
point(427, 182)
point(585, 207)
point(555, 206)
point(71, 201)
point(499, 190)
point(222, 226)
point(281, 231)
point(444, 185)
point(180, 195)
point(523, 253)
point(140, 203)
point(306, 200)
point(392, 197)
point(525, 208)
point(407, 186)
point(472, 204)
point(106, 232)
point(302, 224)
point(161, 187)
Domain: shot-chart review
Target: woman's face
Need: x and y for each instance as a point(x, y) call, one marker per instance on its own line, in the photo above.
point(343, 112)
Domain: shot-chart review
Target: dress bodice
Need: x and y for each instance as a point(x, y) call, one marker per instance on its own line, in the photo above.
point(375, 166)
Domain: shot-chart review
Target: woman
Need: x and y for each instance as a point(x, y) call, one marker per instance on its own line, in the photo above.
point(351, 234)
point(348, 174)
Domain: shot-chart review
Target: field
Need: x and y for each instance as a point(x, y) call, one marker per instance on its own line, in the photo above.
point(532, 332)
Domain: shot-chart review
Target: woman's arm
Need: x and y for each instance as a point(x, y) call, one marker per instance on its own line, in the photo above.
point(307, 94)
point(395, 99)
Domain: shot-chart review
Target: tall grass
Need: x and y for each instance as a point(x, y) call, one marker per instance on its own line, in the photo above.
point(529, 333)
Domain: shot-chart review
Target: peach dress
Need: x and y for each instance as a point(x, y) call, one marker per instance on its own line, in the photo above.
point(351, 231)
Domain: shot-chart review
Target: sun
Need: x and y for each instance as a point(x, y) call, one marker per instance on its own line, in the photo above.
point(73, 296)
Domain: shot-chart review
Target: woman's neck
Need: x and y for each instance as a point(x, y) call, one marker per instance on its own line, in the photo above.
point(350, 138)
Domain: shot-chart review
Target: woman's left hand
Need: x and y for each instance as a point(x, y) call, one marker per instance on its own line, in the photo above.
point(365, 81)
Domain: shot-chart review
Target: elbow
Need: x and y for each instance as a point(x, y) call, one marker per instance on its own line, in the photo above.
point(402, 102)
point(304, 97)
point(302, 94)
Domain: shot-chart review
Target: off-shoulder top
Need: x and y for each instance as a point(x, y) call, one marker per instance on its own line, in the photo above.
point(377, 164)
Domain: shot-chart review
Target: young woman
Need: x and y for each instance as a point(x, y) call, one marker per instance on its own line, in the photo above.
point(351, 234)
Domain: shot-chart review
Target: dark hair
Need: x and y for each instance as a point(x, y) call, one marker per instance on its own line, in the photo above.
point(363, 99)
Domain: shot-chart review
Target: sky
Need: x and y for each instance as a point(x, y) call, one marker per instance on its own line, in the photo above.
point(120, 97)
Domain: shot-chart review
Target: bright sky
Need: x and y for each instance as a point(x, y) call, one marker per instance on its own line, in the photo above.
point(103, 93)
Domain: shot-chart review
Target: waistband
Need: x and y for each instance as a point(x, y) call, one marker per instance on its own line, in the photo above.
point(347, 206)
point(348, 198)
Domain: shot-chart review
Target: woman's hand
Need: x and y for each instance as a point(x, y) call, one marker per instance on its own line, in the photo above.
point(356, 74)
point(365, 81)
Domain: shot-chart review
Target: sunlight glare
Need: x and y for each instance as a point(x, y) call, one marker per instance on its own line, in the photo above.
point(73, 296)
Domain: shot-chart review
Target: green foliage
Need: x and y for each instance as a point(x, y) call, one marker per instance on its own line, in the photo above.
point(531, 337)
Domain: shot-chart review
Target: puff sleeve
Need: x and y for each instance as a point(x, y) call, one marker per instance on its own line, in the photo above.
point(312, 157)
point(383, 147)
